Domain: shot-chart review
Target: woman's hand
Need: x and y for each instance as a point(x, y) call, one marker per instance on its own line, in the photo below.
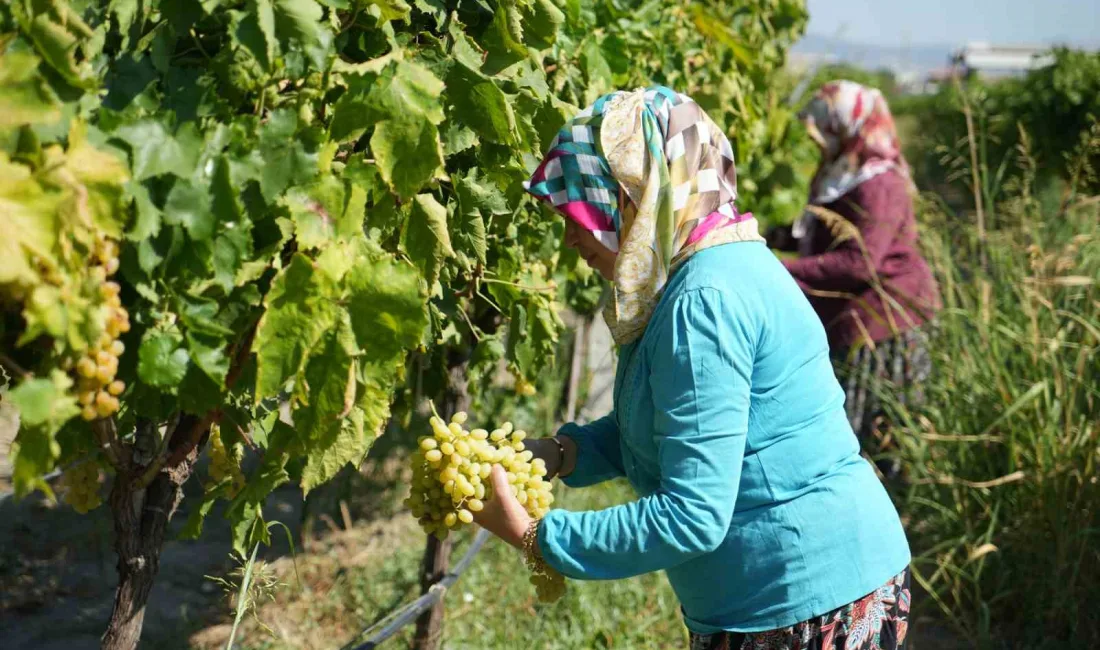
point(503, 515)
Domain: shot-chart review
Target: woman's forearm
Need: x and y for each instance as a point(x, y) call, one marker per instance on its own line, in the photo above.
point(559, 453)
point(569, 456)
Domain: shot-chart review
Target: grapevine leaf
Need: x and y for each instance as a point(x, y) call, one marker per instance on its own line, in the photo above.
point(532, 77)
point(270, 474)
point(542, 20)
point(518, 351)
point(458, 138)
point(45, 313)
point(208, 356)
point(475, 194)
point(327, 458)
point(256, 31)
point(484, 360)
point(299, 311)
point(468, 228)
point(300, 21)
point(25, 97)
point(330, 378)
point(125, 12)
point(58, 33)
point(192, 529)
point(97, 176)
point(200, 314)
point(44, 405)
point(198, 393)
point(434, 8)
point(392, 9)
point(284, 160)
point(147, 215)
point(596, 69)
point(504, 39)
point(468, 234)
point(336, 260)
point(162, 361)
point(465, 50)
point(45, 401)
point(327, 209)
point(189, 206)
point(401, 90)
point(406, 87)
point(550, 118)
point(408, 153)
point(247, 523)
point(155, 151)
point(313, 225)
point(182, 14)
point(427, 241)
point(387, 311)
point(481, 105)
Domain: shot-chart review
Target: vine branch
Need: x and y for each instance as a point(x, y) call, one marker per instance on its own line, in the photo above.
point(13, 367)
point(106, 433)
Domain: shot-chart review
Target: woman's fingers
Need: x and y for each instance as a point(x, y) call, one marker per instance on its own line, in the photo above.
point(498, 478)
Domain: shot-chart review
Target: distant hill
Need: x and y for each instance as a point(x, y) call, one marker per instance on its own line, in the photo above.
point(900, 57)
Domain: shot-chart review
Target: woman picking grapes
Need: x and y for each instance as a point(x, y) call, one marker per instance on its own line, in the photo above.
point(873, 292)
point(728, 419)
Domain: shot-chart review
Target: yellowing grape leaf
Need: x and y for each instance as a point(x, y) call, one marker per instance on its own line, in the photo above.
point(300, 310)
point(25, 97)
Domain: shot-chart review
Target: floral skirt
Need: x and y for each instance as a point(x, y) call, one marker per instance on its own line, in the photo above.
point(878, 621)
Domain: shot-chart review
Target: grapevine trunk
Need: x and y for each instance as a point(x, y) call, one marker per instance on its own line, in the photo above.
point(141, 516)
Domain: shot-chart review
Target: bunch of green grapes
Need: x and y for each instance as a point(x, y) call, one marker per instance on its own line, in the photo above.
point(80, 487)
point(97, 388)
point(450, 482)
point(225, 463)
point(549, 584)
point(451, 474)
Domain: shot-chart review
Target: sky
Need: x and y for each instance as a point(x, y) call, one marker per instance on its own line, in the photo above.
point(956, 22)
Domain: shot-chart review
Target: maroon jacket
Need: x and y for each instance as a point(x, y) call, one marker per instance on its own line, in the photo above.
point(882, 210)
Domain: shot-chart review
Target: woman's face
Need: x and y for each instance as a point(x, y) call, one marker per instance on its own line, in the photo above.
point(594, 253)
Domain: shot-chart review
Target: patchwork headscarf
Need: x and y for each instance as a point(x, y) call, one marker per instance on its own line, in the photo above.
point(653, 179)
point(859, 141)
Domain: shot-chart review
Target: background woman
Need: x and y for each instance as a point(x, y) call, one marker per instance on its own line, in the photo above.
point(728, 420)
point(863, 273)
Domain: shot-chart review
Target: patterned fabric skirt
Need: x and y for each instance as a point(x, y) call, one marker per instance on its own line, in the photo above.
point(878, 621)
point(901, 365)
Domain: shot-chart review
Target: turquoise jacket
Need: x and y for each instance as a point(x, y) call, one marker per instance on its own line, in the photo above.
point(730, 425)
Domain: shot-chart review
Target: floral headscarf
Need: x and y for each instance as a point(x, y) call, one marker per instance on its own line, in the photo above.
point(859, 141)
point(660, 150)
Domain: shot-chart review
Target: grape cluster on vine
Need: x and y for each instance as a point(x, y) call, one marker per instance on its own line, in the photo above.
point(80, 487)
point(225, 463)
point(97, 389)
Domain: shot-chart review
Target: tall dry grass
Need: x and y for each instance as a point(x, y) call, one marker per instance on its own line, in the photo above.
point(1001, 493)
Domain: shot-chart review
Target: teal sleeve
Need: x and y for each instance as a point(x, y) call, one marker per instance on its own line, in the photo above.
point(599, 457)
point(701, 360)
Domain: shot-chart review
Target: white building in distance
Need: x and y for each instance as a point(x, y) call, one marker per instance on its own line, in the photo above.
point(998, 61)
